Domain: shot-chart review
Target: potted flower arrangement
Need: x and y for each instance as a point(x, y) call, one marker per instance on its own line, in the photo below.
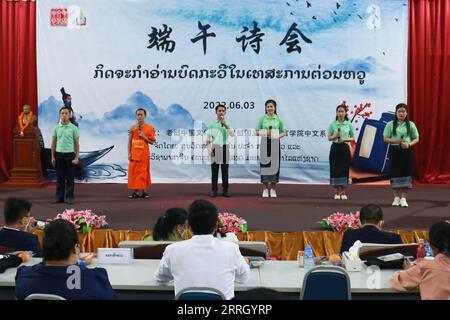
point(229, 225)
point(84, 221)
point(341, 222)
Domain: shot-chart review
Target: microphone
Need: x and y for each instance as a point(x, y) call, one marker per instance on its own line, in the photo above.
point(140, 130)
point(339, 131)
point(221, 119)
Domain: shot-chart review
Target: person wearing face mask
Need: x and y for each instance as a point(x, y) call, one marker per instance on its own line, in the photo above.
point(57, 273)
point(17, 233)
point(171, 226)
point(203, 260)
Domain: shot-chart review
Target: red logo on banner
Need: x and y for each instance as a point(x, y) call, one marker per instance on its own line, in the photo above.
point(58, 17)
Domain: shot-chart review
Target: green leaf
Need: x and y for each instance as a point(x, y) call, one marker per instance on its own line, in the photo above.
point(323, 224)
point(86, 229)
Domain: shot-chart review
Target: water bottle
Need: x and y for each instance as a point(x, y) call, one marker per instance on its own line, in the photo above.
point(301, 259)
point(428, 251)
point(309, 257)
point(421, 249)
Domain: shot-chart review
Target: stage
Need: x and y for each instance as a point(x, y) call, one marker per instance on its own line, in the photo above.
point(297, 208)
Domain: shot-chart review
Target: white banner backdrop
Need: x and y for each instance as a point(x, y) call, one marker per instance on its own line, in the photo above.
point(178, 60)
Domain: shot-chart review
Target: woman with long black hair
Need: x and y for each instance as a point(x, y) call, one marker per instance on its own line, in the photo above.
point(402, 135)
point(271, 129)
point(171, 226)
point(341, 133)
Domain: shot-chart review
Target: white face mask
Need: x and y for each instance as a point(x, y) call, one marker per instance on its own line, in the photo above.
point(27, 225)
point(77, 252)
point(183, 233)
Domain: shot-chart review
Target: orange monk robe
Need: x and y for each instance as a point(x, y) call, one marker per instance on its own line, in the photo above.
point(139, 167)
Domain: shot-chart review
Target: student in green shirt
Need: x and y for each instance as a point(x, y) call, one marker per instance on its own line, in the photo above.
point(341, 133)
point(170, 227)
point(402, 135)
point(217, 143)
point(65, 150)
point(271, 129)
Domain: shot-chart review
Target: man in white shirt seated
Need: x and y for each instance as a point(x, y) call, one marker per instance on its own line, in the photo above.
point(203, 260)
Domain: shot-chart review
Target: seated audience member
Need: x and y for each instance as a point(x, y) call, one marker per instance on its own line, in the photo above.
point(59, 273)
point(203, 261)
point(432, 277)
point(17, 232)
point(371, 217)
point(170, 227)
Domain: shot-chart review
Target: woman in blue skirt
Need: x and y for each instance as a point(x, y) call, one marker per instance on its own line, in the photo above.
point(341, 133)
point(402, 135)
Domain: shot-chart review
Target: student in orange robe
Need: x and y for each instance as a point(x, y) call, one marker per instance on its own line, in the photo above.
point(141, 134)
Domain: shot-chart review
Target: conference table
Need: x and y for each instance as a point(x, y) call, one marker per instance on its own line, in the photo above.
point(136, 281)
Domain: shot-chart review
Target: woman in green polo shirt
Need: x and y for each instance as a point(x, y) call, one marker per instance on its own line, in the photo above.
point(271, 129)
point(341, 133)
point(170, 227)
point(401, 134)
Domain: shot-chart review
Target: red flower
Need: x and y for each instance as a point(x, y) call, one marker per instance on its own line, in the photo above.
point(342, 222)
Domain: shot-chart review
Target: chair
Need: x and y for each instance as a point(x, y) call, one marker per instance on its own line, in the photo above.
point(144, 249)
point(253, 248)
point(142, 243)
point(200, 293)
point(149, 252)
point(43, 296)
point(4, 250)
point(326, 283)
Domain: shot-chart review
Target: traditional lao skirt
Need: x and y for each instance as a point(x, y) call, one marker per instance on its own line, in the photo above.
point(270, 155)
point(401, 167)
point(340, 160)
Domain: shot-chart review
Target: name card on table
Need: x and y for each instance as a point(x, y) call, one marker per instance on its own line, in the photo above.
point(115, 255)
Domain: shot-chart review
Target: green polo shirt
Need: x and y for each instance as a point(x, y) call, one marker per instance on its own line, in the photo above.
point(171, 237)
point(400, 132)
point(346, 129)
point(218, 133)
point(275, 122)
point(65, 135)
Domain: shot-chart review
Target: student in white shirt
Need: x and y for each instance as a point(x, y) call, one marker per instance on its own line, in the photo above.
point(203, 260)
